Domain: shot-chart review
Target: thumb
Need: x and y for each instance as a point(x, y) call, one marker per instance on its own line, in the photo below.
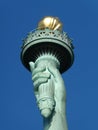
point(55, 72)
point(32, 65)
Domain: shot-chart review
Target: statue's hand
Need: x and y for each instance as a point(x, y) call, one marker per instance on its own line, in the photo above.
point(41, 76)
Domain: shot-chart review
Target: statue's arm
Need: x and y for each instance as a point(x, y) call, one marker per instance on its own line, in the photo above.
point(41, 79)
point(57, 121)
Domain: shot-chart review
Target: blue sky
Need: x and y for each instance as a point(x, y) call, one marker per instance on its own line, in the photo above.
point(18, 110)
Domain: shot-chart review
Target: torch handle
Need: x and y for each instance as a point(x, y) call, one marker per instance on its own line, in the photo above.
point(46, 98)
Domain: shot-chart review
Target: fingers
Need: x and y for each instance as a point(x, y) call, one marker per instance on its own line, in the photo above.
point(39, 81)
point(38, 70)
point(40, 75)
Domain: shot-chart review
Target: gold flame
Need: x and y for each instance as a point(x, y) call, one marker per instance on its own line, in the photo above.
point(49, 22)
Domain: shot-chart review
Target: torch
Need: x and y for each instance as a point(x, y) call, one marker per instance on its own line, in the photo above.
point(48, 45)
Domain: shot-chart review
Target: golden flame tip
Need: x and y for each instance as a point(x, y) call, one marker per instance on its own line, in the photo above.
point(52, 23)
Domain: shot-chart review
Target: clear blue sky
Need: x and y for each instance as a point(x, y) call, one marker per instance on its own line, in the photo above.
point(18, 110)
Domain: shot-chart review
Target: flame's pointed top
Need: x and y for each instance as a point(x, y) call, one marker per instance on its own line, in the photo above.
point(50, 22)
